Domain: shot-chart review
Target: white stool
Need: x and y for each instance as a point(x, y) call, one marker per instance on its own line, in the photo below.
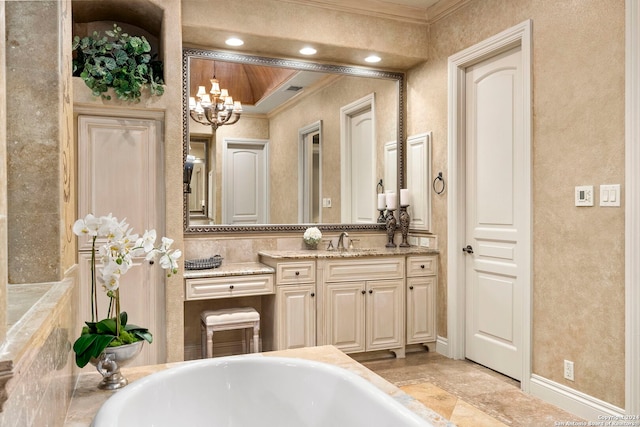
point(228, 319)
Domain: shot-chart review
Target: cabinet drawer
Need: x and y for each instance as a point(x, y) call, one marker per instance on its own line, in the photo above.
point(296, 272)
point(229, 286)
point(421, 266)
point(364, 269)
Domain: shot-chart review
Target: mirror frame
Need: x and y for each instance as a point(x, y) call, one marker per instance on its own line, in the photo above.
point(188, 53)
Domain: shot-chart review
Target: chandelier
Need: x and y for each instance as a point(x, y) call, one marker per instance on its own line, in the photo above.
point(215, 108)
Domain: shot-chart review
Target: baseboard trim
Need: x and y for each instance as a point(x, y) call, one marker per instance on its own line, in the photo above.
point(442, 346)
point(573, 401)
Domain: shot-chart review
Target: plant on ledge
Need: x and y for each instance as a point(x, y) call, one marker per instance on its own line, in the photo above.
point(119, 61)
point(116, 256)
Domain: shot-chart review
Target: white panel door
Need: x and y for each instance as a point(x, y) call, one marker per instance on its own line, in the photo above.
point(495, 212)
point(245, 182)
point(359, 157)
point(363, 174)
point(120, 172)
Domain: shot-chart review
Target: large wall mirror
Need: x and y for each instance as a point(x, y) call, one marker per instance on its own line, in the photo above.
point(300, 143)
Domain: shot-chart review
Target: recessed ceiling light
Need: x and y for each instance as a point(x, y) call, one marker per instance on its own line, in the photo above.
point(372, 58)
point(308, 51)
point(234, 41)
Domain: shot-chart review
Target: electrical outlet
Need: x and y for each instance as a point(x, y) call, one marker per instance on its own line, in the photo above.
point(568, 370)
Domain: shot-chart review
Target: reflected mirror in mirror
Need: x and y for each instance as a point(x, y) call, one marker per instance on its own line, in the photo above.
point(275, 144)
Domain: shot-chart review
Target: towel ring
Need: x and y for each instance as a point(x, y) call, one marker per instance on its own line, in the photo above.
point(439, 179)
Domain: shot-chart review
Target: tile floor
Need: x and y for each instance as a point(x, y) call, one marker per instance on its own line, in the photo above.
point(467, 394)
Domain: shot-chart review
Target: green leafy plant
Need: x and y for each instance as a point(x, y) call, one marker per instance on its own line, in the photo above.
point(100, 335)
point(119, 61)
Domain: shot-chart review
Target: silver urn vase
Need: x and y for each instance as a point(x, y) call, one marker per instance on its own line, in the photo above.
point(111, 360)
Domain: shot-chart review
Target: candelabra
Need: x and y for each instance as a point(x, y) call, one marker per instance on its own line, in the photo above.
point(404, 225)
point(391, 228)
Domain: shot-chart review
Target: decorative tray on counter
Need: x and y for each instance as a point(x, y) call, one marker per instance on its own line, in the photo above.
point(203, 263)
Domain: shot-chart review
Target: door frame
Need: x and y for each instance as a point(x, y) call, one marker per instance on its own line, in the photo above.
point(632, 207)
point(519, 35)
point(303, 133)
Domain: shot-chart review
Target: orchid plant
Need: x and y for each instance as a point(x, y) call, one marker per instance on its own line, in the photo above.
point(116, 257)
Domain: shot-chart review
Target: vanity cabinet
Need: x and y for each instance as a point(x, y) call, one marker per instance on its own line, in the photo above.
point(421, 299)
point(295, 305)
point(365, 314)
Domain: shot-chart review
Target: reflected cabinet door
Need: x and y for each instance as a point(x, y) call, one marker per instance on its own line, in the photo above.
point(119, 172)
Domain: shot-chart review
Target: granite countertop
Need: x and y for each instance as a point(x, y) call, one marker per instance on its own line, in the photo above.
point(87, 399)
point(230, 269)
point(349, 253)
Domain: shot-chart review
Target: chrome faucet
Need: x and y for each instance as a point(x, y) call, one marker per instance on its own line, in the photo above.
point(340, 245)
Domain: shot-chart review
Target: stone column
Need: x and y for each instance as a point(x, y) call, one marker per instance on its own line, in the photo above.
point(38, 131)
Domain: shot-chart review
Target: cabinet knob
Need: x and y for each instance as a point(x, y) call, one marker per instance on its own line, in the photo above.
point(422, 266)
point(151, 262)
point(313, 294)
point(370, 291)
point(364, 292)
point(230, 286)
point(297, 273)
point(411, 287)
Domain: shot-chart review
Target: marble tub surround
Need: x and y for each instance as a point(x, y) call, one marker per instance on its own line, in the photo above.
point(21, 298)
point(87, 399)
point(36, 364)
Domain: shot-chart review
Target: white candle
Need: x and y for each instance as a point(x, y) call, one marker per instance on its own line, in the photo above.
point(382, 201)
point(392, 200)
point(404, 197)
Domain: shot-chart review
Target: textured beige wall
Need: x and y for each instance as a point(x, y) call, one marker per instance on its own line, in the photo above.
point(578, 138)
point(279, 28)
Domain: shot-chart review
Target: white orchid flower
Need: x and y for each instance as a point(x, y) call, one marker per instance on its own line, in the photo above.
point(169, 261)
point(166, 244)
point(147, 241)
point(88, 225)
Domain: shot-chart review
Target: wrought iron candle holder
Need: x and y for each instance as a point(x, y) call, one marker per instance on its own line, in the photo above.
point(391, 228)
point(381, 218)
point(404, 225)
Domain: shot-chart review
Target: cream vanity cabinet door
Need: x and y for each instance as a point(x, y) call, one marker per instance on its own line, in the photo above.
point(345, 315)
point(367, 314)
point(421, 299)
point(295, 307)
point(385, 314)
point(296, 316)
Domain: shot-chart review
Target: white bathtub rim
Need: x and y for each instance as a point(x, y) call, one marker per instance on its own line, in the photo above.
point(398, 403)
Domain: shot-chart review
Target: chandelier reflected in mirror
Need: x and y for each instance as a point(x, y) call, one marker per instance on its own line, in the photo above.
point(216, 108)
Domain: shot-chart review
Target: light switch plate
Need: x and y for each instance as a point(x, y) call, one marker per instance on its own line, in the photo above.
point(610, 195)
point(584, 195)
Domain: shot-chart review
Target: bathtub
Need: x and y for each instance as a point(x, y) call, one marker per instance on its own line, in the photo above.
point(254, 391)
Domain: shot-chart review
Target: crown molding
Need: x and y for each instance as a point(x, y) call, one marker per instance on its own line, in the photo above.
point(400, 10)
point(376, 8)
